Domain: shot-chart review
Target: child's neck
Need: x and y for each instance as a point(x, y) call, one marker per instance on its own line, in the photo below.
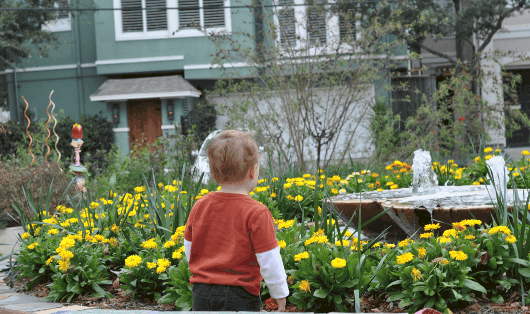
point(234, 190)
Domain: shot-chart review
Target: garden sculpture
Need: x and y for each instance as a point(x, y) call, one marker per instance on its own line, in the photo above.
point(78, 169)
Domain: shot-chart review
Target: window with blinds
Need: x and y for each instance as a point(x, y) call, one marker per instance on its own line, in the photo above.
point(347, 25)
point(287, 24)
point(156, 15)
point(316, 23)
point(189, 16)
point(135, 19)
point(214, 13)
point(132, 16)
point(62, 4)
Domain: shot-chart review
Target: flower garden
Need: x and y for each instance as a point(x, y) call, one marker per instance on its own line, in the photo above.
point(134, 242)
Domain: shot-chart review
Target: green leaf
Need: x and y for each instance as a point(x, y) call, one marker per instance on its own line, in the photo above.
point(474, 286)
point(405, 302)
point(168, 299)
point(396, 296)
point(98, 289)
point(525, 272)
point(321, 293)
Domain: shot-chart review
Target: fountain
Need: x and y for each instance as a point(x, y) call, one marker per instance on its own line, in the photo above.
point(423, 203)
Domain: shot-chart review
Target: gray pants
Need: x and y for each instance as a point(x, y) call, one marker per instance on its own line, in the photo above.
point(211, 297)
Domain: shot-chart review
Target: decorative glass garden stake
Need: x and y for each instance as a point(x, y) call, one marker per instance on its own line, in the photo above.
point(78, 169)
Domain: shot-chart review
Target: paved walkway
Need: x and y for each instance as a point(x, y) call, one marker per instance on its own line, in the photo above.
point(12, 302)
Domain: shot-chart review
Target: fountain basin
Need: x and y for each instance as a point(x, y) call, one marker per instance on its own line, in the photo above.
point(410, 211)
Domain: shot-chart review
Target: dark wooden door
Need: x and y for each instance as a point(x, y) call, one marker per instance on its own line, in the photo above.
point(145, 121)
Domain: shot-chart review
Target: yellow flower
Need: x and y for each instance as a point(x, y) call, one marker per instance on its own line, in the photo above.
point(443, 240)
point(53, 231)
point(510, 239)
point(450, 232)
point(422, 252)
point(338, 263)
point(389, 183)
point(114, 228)
point(390, 245)
point(139, 189)
point(375, 175)
point(488, 157)
point(133, 261)
point(477, 159)
point(64, 265)
point(304, 286)
point(25, 235)
point(404, 258)
point(33, 245)
point(405, 242)
point(342, 243)
point(282, 244)
point(432, 227)
point(51, 259)
point(426, 235)
point(476, 183)
point(502, 229)
point(149, 244)
point(176, 255)
point(299, 198)
point(444, 262)
point(458, 255)
point(160, 269)
point(334, 191)
point(169, 244)
point(300, 256)
point(151, 265)
point(525, 153)
point(163, 262)
point(273, 194)
point(394, 187)
point(342, 191)
point(488, 149)
point(415, 274)
point(470, 237)
point(67, 242)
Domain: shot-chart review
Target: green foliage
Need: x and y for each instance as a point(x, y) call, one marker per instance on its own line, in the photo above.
point(179, 291)
point(203, 116)
point(97, 136)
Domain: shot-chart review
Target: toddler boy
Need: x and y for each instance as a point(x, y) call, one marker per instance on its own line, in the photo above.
point(234, 242)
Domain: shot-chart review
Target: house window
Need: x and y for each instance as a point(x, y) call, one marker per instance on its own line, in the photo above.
point(136, 19)
point(149, 19)
point(302, 24)
point(61, 22)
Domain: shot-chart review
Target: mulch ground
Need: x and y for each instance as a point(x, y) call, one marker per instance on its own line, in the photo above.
point(371, 303)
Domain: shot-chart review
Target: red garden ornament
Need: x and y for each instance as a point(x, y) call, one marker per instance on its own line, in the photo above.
point(461, 119)
point(77, 131)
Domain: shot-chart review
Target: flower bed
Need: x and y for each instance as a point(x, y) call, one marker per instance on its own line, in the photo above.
point(135, 243)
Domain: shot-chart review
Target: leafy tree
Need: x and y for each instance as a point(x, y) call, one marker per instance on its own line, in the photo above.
point(21, 34)
point(309, 95)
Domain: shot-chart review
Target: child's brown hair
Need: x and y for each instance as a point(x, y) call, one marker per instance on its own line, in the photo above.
point(231, 154)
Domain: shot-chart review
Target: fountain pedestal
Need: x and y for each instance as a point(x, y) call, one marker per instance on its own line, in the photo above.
point(410, 211)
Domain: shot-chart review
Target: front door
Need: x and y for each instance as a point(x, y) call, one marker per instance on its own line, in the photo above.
point(145, 121)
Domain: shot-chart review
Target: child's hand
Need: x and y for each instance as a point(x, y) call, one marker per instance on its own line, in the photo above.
point(281, 304)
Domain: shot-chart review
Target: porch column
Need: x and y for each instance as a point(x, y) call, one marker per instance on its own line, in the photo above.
point(121, 130)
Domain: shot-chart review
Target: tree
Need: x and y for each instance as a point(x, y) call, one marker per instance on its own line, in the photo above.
point(463, 19)
point(21, 34)
point(309, 80)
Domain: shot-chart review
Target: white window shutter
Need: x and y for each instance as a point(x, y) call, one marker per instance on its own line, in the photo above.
point(287, 25)
point(156, 12)
point(214, 13)
point(132, 20)
point(61, 4)
point(189, 18)
point(316, 23)
point(347, 25)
